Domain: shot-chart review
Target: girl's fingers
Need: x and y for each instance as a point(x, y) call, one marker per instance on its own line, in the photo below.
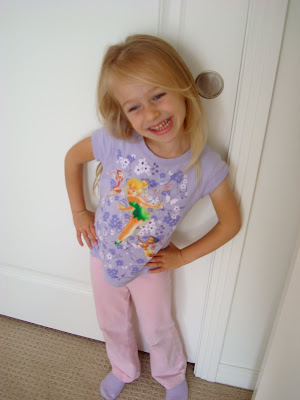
point(94, 234)
point(91, 233)
point(157, 257)
point(156, 270)
point(88, 236)
point(87, 240)
point(79, 238)
point(154, 264)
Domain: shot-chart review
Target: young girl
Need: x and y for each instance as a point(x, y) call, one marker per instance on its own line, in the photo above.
point(155, 167)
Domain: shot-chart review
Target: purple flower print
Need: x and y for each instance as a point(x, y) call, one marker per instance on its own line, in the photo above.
point(115, 222)
point(131, 158)
point(152, 184)
point(112, 183)
point(177, 177)
point(155, 166)
point(134, 270)
point(127, 217)
point(112, 272)
point(119, 263)
point(105, 216)
point(172, 221)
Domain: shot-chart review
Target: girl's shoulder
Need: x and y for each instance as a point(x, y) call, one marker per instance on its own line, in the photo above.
point(103, 142)
point(210, 158)
point(213, 170)
point(103, 135)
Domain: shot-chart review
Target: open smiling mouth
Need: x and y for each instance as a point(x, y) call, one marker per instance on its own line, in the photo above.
point(163, 127)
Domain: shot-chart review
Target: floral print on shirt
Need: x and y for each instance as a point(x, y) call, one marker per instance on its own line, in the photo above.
point(148, 222)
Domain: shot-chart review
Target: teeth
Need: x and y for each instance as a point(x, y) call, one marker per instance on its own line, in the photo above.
point(162, 125)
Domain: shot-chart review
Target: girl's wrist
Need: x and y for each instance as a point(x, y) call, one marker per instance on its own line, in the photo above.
point(78, 211)
point(187, 255)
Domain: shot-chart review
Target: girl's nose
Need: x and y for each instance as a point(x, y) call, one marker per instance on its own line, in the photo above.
point(151, 112)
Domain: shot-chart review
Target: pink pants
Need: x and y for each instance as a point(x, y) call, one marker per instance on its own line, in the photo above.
point(151, 295)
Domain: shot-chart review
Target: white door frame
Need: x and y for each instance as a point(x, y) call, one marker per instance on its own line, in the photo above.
point(263, 37)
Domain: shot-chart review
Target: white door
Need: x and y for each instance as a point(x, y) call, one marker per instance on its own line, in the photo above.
point(51, 52)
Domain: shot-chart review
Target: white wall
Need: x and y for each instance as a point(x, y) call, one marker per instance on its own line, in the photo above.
point(279, 376)
point(274, 220)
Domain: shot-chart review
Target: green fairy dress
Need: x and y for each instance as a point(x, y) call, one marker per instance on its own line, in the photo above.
point(139, 212)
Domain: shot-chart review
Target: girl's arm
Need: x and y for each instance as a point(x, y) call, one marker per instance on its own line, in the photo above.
point(229, 224)
point(76, 157)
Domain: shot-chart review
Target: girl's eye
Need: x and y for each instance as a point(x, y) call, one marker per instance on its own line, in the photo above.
point(133, 108)
point(158, 96)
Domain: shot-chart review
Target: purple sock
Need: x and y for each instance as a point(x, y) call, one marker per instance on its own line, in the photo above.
point(179, 392)
point(111, 387)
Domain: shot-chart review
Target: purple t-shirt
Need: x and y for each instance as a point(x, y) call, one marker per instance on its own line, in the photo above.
point(142, 199)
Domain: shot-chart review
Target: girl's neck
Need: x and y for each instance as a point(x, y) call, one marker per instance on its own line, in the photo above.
point(168, 150)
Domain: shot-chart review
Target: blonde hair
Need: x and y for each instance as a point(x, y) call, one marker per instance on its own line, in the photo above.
point(136, 184)
point(151, 60)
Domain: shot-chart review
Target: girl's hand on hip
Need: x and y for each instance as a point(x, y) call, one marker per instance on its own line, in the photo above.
point(84, 224)
point(166, 259)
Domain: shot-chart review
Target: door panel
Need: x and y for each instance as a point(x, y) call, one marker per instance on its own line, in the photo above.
point(211, 38)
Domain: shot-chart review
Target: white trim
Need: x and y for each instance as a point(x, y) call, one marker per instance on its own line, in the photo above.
point(264, 32)
point(237, 376)
point(170, 20)
point(44, 292)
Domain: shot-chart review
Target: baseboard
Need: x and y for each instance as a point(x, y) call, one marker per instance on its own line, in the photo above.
point(50, 301)
point(237, 376)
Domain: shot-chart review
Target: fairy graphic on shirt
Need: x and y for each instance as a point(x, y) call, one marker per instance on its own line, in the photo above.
point(138, 205)
point(118, 176)
point(149, 246)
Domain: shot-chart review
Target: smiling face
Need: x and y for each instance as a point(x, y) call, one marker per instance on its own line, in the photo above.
point(156, 114)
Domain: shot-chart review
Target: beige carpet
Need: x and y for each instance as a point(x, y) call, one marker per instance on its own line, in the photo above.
point(39, 363)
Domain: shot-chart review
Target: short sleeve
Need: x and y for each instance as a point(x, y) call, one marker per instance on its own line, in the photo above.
point(213, 171)
point(101, 144)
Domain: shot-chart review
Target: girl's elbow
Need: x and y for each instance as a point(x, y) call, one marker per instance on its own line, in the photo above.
point(237, 225)
point(237, 229)
point(69, 155)
point(68, 161)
